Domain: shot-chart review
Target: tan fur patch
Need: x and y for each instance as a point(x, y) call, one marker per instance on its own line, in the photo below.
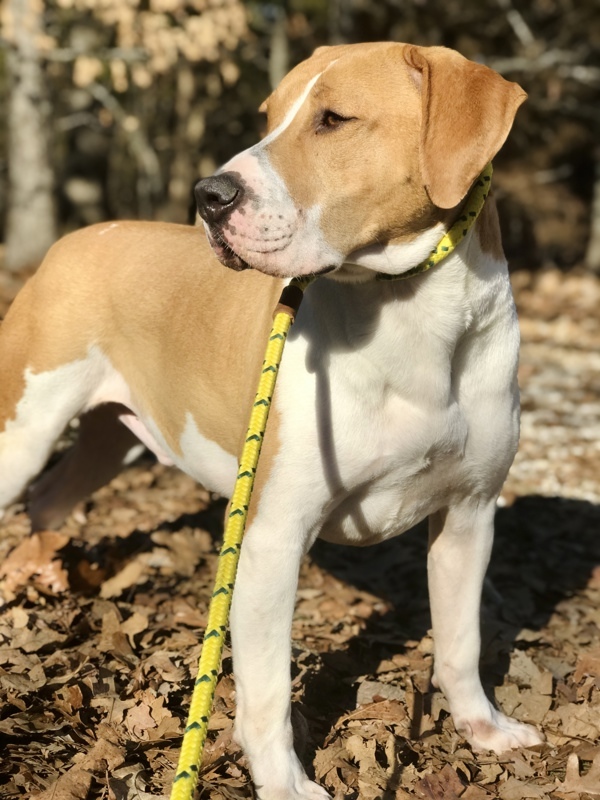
point(16, 332)
point(186, 333)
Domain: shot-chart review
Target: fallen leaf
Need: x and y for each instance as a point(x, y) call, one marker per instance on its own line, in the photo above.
point(490, 772)
point(386, 710)
point(442, 785)
point(134, 625)
point(514, 789)
point(474, 792)
point(124, 579)
point(103, 755)
point(20, 617)
point(575, 782)
point(587, 664)
point(138, 720)
point(374, 691)
point(36, 557)
point(129, 782)
point(73, 785)
point(533, 706)
point(523, 669)
point(163, 664)
point(578, 720)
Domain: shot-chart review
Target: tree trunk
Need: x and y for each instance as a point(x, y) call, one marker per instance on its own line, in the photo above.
point(593, 248)
point(279, 57)
point(341, 23)
point(30, 224)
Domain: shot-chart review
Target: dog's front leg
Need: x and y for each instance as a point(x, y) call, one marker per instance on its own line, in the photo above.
point(460, 542)
point(261, 622)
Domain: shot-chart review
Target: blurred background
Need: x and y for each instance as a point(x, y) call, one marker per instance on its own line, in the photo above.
point(114, 108)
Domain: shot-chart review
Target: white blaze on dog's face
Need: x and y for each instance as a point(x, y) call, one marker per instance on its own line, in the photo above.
point(355, 165)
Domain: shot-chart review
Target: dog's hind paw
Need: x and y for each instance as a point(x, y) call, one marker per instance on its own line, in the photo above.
point(499, 733)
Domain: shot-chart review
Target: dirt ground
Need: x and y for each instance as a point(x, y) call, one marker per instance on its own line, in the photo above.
point(101, 622)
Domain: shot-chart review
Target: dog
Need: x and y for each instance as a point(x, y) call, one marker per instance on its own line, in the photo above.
point(397, 400)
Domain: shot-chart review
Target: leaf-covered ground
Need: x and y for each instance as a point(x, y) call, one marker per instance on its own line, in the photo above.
point(101, 622)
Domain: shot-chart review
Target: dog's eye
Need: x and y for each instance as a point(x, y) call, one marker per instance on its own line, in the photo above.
point(329, 120)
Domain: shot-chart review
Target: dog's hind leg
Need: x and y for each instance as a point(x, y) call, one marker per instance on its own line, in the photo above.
point(31, 426)
point(103, 446)
point(43, 385)
point(460, 542)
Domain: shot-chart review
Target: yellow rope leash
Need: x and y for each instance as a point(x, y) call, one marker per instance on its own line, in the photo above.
point(218, 614)
point(196, 729)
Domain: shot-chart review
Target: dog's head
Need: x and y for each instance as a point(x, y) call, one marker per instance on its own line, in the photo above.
point(368, 147)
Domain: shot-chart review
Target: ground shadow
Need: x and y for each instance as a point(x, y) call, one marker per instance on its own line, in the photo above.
point(109, 554)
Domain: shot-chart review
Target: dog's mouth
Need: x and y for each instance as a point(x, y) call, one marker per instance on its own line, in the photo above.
point(229, 258)
point(224, 252)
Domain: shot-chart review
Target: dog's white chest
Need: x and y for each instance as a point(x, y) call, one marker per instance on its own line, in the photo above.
point(374, 418)
point(381, 458)
point(406, 462)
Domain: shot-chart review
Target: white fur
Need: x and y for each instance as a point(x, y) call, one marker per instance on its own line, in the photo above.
point(205, 460)
point(290, 116)
point(394, 259)
point(139, 429)
point(200, 457)
point(27, 439)
point(108, 228)
point(62, 393)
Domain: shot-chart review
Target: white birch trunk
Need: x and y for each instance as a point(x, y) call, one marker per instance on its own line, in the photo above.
point(30, 225)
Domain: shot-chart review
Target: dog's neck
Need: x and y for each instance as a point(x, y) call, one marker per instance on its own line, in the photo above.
point(392, 262)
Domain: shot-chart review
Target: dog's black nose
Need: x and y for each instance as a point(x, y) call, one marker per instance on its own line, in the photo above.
point(216, 197)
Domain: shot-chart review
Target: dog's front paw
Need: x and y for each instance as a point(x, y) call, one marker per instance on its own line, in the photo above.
point(313, 791)
point(498, 733)
point(303, 789)
point(277, 773)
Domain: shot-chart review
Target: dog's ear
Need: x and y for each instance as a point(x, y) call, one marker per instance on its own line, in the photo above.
point(467, 113)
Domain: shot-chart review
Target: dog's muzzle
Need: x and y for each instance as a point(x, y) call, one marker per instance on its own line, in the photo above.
point(216, 199)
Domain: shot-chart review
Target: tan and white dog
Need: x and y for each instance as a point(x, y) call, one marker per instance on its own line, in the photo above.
point(396, 401)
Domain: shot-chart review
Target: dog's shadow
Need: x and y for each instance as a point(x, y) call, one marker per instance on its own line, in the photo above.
point(545, 550)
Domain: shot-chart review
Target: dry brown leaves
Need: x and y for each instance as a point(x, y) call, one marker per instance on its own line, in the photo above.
point(560, 381)
point(101, 624)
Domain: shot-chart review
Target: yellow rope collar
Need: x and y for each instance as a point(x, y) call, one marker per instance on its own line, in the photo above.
point(196, 729)
point(454, 236)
